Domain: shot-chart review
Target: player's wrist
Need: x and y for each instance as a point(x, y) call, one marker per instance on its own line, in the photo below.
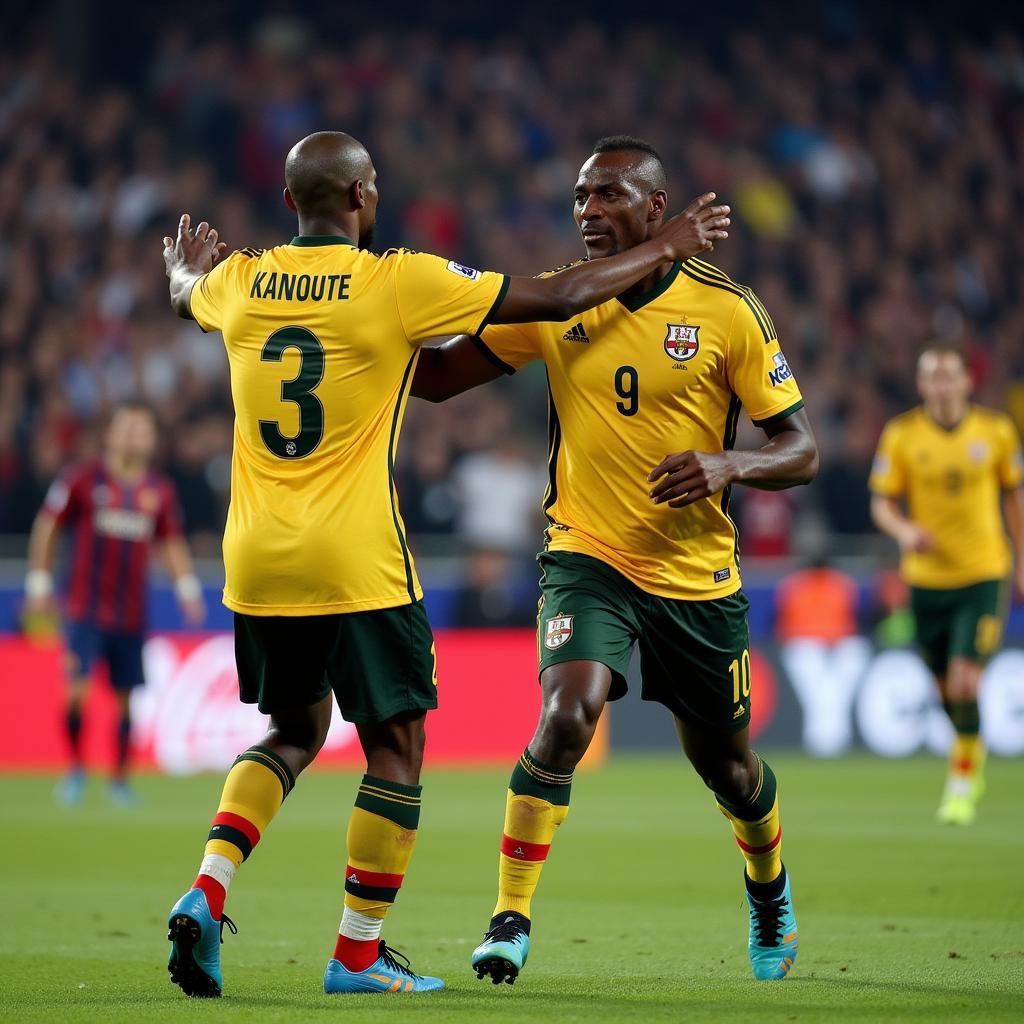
point(38, 584)
point(188, 588)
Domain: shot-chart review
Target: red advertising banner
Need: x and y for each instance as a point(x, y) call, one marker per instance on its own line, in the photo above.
point(188, 717)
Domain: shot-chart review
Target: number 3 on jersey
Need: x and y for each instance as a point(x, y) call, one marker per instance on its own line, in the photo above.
point(298, 390)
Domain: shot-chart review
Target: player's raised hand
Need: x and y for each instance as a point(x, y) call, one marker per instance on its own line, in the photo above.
point(689, 476)
point(697, 228)
point(196, 252)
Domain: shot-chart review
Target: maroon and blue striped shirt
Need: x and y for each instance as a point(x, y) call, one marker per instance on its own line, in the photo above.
point(112, 526)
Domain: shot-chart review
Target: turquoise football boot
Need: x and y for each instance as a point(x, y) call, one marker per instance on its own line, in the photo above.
point(504, 950)
point(385, 974)
point(773, 935)
point(194, 963)
point(70, 791)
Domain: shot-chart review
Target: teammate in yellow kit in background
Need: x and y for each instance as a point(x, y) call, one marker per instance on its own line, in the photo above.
point(640, 549)
point(936, 484)
point(322, 340)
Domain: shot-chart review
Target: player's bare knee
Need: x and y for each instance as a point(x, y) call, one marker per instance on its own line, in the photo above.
point(565, 731)
point(733, 778)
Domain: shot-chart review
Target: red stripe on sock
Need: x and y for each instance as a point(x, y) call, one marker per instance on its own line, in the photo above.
point(760, 849)
point(964, 766)
point(244, 825)
point(519, 850)
point(374, 878)
point(356, 954)
point(215, 894)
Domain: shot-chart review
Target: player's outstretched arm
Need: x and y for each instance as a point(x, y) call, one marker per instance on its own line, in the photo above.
point(789, 459)
point(586, 285)
point(451, 368)
point(187, 258)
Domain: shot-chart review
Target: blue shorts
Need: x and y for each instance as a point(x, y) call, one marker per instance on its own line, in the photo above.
point(122, 653)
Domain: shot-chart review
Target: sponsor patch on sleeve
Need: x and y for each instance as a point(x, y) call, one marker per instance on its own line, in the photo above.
point(721, 575)
point(881, 465)
point(463, 271)
point(780, 371)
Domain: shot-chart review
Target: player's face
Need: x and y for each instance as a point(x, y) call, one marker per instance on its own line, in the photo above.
point(132, 435)
point(943, 379)
point(368, 214)
point(613, 211)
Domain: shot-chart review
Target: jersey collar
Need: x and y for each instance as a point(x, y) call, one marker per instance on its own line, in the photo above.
point(636, 302)
point(322, 240)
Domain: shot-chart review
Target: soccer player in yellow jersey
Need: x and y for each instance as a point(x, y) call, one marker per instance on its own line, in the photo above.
point(941, 473)
point(640, 548)
point(322, 339)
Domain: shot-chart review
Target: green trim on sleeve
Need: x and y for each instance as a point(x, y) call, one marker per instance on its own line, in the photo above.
point(196, 284)
point(496, 304)
point(498, 362)
point(772, 421)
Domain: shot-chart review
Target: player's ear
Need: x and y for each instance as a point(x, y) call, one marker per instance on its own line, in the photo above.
point(659, 203)
point(357, 194)
point(289, 202)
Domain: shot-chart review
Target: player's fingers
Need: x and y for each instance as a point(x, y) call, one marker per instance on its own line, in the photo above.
point(211, 238)
point(183, 226)
point(201, 230)
point(710, 212)
point(690, 497)
point(168, 242)
point(676, 484)
point(699, 203)
point(668, 465)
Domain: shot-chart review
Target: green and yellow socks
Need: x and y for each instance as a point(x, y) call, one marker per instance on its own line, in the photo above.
point(253, 793)
point(755, 824)
point(536, 804)
point(381, 838)
point(967, 755)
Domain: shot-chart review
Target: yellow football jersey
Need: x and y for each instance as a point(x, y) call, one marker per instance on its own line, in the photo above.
point(952, 481)
point(630, 383)
point(322, 342)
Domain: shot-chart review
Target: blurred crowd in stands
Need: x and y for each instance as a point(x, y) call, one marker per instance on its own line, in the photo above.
point(878, 191)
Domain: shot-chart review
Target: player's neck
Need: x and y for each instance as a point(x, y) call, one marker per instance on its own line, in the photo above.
point(128, 470)
point(648, 283)
point(328, 227)
point(947, 417)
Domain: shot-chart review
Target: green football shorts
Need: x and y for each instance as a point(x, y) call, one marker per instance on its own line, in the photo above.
point(694, 655)
point(378, 663)
point(960, 622)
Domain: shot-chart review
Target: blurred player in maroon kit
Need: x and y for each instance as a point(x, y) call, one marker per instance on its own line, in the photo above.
point(115, 509)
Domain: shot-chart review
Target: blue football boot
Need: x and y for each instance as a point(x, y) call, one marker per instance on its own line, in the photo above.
point(773, 935)
point(70, 791)
point(504, 950)
point(194, 963)
point(385, 974)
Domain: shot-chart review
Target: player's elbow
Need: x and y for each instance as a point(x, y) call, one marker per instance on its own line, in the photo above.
point(812, 462)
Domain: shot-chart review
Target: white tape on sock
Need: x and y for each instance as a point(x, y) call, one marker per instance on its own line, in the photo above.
point(360, 927)
point(219, 868)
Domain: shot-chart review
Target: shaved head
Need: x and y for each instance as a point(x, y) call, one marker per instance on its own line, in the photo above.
point(642, 162)
point(328, 174)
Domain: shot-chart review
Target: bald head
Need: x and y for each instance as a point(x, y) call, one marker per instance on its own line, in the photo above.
point(321, 170)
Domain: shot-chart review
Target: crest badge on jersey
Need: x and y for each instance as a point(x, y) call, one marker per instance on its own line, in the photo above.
point(681, 342)
point(557, 632)
point(148, 499)
point(978, 451)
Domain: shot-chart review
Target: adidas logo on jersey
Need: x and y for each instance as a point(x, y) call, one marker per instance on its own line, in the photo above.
point(576, 333)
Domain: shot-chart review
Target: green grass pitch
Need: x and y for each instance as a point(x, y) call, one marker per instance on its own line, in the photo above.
point(640, 914)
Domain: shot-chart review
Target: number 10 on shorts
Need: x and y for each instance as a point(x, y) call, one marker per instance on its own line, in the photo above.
point(740, 671)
